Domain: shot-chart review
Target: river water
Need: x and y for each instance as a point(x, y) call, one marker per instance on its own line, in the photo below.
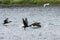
point(49, 17)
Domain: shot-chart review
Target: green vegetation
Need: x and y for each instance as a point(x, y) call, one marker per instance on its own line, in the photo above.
point(38, 2)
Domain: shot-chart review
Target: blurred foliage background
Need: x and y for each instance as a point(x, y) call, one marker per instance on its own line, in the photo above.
point(29, 1)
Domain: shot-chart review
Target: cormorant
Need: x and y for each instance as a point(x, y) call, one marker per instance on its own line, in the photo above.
point(6, 21)
point(25, 22)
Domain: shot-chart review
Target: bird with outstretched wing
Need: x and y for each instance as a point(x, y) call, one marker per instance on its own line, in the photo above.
point(6, 21)
point(25, 22)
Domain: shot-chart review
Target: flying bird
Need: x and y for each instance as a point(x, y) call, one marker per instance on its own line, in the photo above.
point(6, 21)
point(25, 22)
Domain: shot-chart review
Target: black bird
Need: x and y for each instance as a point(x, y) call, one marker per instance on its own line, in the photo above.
point(6, 21)
point(25, 22)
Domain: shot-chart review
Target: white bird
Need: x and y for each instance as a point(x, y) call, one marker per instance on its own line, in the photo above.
point(46, 4)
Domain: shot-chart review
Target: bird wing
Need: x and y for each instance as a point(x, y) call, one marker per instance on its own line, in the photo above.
point(36, 24)
point(23, 21)
point(26, 21)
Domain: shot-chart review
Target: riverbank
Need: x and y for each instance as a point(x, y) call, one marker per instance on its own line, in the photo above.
point(30, 3)
point(36, 2)
point(25, 5)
